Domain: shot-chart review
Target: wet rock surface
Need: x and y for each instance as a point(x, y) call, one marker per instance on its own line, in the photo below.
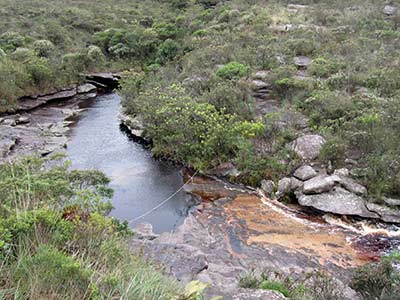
point(238, 231)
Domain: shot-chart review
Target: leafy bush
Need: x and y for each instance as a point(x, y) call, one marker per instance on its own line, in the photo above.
point(233, 70)
point(43, 48)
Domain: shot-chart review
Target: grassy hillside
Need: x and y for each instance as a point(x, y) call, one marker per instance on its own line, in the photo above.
point(350, 92)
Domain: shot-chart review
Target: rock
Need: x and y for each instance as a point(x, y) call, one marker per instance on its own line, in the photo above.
point(6, 144)
point(387, 214)
point(392, 202)
point(284, 187)
point(350, 162)
point(59, 96)
point(390, 10)
point(258, 85)
point(227, 169)
point(305, 172)
point(302, 61)
point(261, 75)
point(9, 122)
point(338, 201)
point(22, 120)
point(134, 124)
point(252, 294)
point(287, 185)
point(268, 187)
point(86, 88)
point(308, 146)
point(342, 172)
point(145, 231)
point(320, 184)
point(352, 186)
point(103, 79)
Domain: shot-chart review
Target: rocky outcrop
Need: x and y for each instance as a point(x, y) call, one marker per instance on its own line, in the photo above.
point(305, 172)
point(337, 201)
point(105, 80)
point(308, 146)
point(135, 125)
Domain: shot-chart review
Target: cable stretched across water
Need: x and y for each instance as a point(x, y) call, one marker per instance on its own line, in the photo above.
point(163, 202)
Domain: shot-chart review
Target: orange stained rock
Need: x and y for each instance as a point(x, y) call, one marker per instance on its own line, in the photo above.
point(267, 224)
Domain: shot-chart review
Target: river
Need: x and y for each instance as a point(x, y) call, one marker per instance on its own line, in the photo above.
point(140, 182)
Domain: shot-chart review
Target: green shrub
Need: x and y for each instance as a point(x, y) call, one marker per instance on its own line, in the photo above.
point(275, 286)
point(333, 152)
point(43, 48)
point(233, 70)
point(10, 41)
point(168, 50)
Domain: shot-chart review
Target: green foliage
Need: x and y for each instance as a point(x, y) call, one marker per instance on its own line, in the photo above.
point(275, 286)
point(194, 133)
point(168, 50)
point(233, 70)
point(57, 243)
point(43, 48)
point(379, 280)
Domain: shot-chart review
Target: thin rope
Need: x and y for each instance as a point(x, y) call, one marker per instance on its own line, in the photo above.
point(163, 202)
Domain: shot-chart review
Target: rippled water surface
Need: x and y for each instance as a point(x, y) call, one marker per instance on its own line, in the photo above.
point(139, 181)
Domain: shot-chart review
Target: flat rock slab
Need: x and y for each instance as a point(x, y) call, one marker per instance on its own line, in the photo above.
point(387, 214)
point(338, 201)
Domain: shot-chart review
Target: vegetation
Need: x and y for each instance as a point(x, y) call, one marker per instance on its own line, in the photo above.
point(315, 286)
point(57, 243)
point(209, 49)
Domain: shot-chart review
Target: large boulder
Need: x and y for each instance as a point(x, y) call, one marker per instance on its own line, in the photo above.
point(308, 146)
point(387, 214)
point(304, 173)
point(337, 201)
point(320, 184)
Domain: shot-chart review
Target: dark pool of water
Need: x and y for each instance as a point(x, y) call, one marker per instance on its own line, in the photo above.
point(140, 182)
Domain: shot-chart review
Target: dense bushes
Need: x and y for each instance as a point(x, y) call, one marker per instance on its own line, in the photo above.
point(57, 243)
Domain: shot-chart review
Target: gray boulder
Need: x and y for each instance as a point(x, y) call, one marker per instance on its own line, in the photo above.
point(338, 201)
point(268, 187)
point(261, 75)
point(287, 185)
point(259, 85)
point(302, 61)
point(342, 172)
point(351, 185)
point(390, 10)
point(320, 184)
point(308, 146)
point(387, 214)
point(305, 172)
